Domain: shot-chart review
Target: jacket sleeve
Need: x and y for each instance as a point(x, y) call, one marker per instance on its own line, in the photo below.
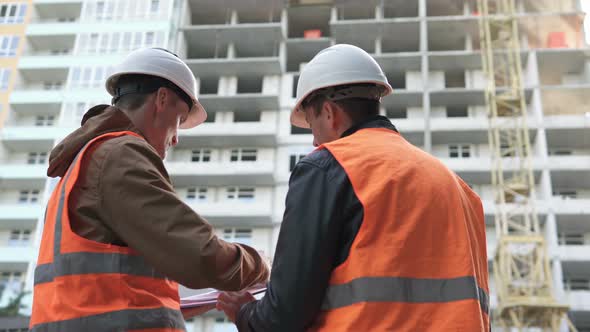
point(306, 249)
point(139, 204)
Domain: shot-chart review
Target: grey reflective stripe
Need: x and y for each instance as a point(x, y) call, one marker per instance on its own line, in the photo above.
point(89, 263)
point(122, 320)
point(394, 289)
point(60, 208)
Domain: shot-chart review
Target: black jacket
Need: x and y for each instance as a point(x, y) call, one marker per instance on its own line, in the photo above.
point(322, 218)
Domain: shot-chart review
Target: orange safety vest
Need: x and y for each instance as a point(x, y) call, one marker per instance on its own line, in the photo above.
point(83, 285)
point(419, 261)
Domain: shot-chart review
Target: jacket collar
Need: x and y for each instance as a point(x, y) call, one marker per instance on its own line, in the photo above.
point(377, 121)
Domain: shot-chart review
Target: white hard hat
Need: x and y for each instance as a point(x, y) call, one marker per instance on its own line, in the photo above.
point(164, 64)
point(338, 65)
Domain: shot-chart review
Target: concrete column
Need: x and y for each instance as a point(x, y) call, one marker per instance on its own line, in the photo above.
point(233, 19)
point(378, 45)
point(558, 281)
point(425, 95)
point(334, 14)
point(231, 51)
point(284, 23)
point(379, 11)
point(551, 236)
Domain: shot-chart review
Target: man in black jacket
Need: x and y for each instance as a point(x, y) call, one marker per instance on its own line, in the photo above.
point(322, 214)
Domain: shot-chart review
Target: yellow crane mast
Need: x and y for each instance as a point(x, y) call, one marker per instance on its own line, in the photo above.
point(521, 266)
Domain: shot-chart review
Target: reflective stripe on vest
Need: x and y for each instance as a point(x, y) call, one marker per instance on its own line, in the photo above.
point(410, 290)
point(121, 320)
point(87, 263)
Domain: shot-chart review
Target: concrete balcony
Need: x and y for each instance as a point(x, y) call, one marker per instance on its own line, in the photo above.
point(24, 138)
point(260, 134)
point(489, 207)
point(20, 215)
point(22, 176)
point(403, 98)
point(235, 66)
point(409, 125)
point(574, 253)
point(571, 206)
point(242, 101)
point(579, 300)
point(37, 96)
point(52, 27)
point(16, 255)
point(258, 173)
point(572, 163)
point(236, 213)
point(468, 164)
point(459, 124)
point(49, 61)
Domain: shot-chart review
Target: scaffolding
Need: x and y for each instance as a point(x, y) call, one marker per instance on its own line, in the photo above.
point(521, 266)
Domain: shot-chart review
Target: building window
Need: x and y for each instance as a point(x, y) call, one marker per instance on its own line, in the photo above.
point(52, 85)
point(571, 239)
point(28, 196)
point(44, 120)
point(560, 152)
point(294, 159)
point(241, 193)
point(459, 151)
point(196, 194)
point(154, 6)
point(12, 13)
point(576, 284)
point(37, 158)
point(566, 193)
point(88, 77)
point(240, 235)
point(243, 155)
point(457, 112)
point(19, 237)
point(8, 45)
point(396, 113)
point(4, 78)
point(149, 39)
point(201, 156)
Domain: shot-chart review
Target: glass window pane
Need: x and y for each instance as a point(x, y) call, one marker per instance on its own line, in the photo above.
point(13, 46)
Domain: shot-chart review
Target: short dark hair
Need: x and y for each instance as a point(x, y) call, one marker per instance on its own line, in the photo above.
point(357, 109)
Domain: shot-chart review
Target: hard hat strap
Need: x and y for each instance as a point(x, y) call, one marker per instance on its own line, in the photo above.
point(149, 87)
point(335, 93)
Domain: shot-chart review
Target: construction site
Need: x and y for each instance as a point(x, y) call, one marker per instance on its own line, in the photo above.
point(498, 90)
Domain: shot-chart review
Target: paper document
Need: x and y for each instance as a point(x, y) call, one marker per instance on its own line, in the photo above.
point(211, 297)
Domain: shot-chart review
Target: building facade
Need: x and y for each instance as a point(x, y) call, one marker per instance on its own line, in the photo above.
point(247, 54)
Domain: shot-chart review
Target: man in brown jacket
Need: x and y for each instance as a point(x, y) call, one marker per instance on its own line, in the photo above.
point(124, 196)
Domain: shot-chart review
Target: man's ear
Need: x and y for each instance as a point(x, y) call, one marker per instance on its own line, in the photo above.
point(333, 114)
point(161, 99)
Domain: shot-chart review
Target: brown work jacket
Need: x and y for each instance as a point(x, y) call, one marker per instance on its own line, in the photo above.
point(124, 196)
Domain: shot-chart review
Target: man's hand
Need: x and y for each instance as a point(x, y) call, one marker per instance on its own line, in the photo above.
point(231, 302)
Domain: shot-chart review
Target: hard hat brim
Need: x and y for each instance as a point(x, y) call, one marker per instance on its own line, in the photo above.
point(196, 116)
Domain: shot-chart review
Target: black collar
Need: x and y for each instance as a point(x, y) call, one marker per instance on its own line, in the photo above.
point(377, 121)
